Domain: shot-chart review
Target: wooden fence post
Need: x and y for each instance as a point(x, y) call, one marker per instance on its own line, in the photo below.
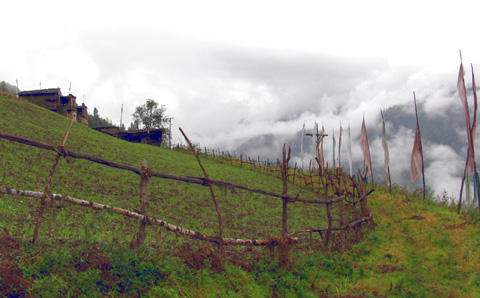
point(329, 231)
point(46, 192)
point(294, 173)
point(143, 200)
point(214, 199)
point(283, 246)
point(286, 159)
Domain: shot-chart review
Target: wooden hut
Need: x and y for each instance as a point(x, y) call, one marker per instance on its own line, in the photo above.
point(53, 100)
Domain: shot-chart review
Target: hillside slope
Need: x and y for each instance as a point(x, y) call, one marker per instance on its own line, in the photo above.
point(26, 167)
point(418, 249)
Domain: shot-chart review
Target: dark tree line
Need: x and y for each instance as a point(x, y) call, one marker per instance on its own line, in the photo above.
point(96, 121)
point(8, 88)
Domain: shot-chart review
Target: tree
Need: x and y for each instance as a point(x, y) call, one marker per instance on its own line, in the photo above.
point(134, 125)
point(6, 87)
point(96, 121)
point(150, 115)
point(96, 117)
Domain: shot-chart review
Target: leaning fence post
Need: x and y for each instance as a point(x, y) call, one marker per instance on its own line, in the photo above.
point(214, 199)
point(143, 200)
point(46, 193)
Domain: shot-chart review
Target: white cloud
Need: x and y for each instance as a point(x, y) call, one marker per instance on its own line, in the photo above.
point(445, 170)
point(227, 72)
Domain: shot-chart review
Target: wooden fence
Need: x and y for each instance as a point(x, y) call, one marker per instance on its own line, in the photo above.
point(342, 188)
point(310, 178)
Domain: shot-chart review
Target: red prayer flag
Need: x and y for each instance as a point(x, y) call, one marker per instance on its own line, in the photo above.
point(365, 150)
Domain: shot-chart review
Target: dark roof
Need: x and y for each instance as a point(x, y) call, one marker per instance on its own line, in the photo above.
point(106, 127)
point(41, 92)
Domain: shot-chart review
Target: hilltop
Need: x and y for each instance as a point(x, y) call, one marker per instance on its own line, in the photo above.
point(417, 249)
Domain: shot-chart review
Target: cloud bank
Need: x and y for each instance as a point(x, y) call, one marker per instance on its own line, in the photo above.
point(232, 83)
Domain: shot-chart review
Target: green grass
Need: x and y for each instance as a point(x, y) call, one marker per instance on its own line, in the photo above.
point(184, 204)
point(418, 249)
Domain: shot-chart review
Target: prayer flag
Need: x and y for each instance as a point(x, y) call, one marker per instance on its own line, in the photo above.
point(386, 154)
point(416, 162)
point(365, 150)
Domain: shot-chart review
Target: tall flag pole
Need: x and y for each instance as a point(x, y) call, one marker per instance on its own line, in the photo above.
point(334, 143)
point(475, 106)
point(340, 146)
point(349, 150)
point(468, 190)
point(366, 150)
point(387, 156)
point(474, 130)
point(314, 139)
point(321, 157)
point(121, 115)
point(301, 144)
point(463, 96)
point(416, 163)
point(470, 163)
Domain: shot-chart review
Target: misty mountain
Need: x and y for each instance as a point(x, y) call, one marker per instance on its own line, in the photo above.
point(438, 128)
point(443, 132)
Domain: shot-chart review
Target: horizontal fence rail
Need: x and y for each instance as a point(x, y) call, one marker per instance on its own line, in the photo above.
point(135, 215)
point(188, 179)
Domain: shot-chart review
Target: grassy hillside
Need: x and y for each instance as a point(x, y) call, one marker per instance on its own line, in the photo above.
point(417, 249)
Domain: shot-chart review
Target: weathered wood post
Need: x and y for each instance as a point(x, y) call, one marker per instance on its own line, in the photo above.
point(47, 195)
point(214, 199)
point(329, 231)
point(284, 193)
point(325, 183)
point(145, 176)
point(294, 173)
point(283, 246)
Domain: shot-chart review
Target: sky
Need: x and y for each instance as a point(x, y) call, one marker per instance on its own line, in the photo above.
point(229, 71)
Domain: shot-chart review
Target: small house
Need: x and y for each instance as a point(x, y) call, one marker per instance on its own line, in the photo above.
point(53, 100)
